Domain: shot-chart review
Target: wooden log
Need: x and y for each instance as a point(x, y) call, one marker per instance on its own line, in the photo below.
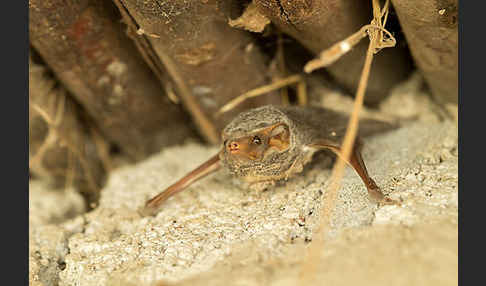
point(61, 149)
point(85, 44)
point(192, 48)
point(431, 30)
point(318, 24)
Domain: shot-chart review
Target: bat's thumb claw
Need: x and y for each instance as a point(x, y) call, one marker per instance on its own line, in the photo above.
point(388, 201)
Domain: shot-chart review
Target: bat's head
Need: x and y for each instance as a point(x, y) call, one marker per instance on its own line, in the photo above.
point(259, 144)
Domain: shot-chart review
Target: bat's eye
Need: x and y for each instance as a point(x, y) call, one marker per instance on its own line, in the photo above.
point(256, 140)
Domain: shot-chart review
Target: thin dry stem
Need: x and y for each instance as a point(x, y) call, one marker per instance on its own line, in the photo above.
point(102, 148)
point(70, 170)
point(93, 185)
point(310, 267)
point(53, 137)
point(207, 127)
point(142, 43)
point(259, 91)
point(302, 93)
point(336, 51)
point(170, 93)
point(142, 32)
point(284, 92)
point(43, 114)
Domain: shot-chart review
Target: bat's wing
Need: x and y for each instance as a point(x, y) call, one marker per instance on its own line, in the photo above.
point(356, 161)
point(203, 170)
point(370, 127)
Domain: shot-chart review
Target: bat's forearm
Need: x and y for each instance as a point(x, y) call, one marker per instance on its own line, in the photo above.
point(200, 172)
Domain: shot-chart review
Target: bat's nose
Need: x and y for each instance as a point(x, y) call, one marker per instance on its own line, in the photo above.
point(233, 146)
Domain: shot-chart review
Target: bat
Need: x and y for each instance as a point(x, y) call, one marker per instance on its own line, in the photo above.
point(271, 143)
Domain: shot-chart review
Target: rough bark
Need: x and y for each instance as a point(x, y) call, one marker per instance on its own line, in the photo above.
point(61, 150)
point(431, 30)
point(318, 24)
point(85, 44)
point(192, 48)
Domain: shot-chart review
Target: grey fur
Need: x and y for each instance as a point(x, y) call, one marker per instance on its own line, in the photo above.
point(306, 125)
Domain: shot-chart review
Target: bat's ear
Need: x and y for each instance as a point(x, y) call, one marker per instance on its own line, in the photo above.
point(280, 129)
point(279, 137)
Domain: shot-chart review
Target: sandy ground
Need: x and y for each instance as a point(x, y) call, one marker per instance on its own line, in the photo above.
point(218, 233)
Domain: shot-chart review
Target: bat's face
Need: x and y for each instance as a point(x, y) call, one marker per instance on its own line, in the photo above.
point(258, 145)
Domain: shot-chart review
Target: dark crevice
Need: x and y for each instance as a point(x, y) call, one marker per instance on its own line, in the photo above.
point(89, 195)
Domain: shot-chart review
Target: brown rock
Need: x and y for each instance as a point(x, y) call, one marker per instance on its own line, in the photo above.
point(84, 43)
point(430, 27)
point(318, 24)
